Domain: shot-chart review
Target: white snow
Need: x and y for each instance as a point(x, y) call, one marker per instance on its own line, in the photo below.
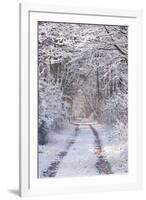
point(80, 160)
point(57, 143)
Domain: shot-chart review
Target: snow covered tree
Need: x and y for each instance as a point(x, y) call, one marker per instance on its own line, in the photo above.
point(89, 58)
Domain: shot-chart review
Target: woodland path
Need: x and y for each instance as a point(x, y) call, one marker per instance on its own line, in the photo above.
point(83, 155)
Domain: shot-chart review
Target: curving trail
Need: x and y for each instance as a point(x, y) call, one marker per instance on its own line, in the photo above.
point(82, 156)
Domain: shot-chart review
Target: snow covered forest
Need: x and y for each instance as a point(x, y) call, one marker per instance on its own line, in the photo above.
point(83, 99)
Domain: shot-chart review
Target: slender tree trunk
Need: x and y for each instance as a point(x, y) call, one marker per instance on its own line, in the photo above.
point(98, 94)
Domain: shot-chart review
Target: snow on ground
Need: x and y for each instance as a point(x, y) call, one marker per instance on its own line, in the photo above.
point(116, 151)
point(57, 143)
point(80, 160)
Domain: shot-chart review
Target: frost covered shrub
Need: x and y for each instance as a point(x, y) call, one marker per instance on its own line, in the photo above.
point(115, 110)
point(51, 111)
point(120, 130)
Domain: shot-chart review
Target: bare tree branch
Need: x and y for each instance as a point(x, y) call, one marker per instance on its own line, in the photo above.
point(118, 48)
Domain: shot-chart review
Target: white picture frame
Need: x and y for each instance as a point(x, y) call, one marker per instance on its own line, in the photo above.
point(30, 185)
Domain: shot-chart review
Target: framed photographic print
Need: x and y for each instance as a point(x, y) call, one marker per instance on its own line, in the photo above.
point(80, 100)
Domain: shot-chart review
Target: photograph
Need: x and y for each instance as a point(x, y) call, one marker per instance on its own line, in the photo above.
point(82, 99)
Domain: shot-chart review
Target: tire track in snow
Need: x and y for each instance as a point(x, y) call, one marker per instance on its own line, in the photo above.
point(53, 168)
point(81, 159)
point(102, 165)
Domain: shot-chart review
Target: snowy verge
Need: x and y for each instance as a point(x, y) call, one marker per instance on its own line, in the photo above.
point(47, 153)
point(114, 148)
